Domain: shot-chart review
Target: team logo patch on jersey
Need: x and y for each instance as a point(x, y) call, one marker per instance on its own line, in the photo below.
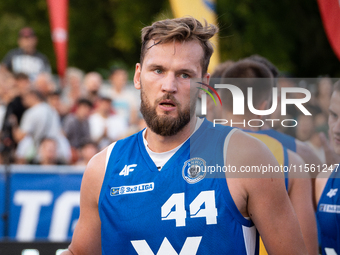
point(139, 188)
point(193, 170)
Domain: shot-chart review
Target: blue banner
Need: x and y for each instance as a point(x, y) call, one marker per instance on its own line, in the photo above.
point(44, 202)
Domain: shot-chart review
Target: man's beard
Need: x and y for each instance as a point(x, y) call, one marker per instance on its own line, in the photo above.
point(166, 125)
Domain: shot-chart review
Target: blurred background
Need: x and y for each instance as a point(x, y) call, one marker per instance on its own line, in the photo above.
point(107, 33)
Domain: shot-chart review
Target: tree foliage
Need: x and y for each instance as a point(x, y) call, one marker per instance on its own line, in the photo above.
point(289, 33)
point(107, 32)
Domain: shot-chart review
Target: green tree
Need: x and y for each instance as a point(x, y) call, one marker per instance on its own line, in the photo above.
point(289, 33)
point(107, 32)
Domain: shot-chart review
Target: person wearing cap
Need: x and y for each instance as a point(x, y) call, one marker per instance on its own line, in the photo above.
point(26, 59)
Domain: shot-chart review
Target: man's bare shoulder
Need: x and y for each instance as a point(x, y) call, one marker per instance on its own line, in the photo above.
point(248, 150)
point(297, 162)
point(307, 153)
point(95, 172)
point(98, 160)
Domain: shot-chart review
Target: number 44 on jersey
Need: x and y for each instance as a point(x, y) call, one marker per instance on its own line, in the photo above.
point(176, 200)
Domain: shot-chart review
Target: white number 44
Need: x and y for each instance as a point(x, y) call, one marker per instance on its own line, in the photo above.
point(179, 214)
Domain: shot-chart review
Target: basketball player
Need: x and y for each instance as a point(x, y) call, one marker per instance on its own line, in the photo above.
point(144, 194)
point(256, 75)
point(291, 143)
point(327, 186)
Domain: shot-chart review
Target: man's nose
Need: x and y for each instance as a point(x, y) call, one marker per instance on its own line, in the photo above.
point(169, 83)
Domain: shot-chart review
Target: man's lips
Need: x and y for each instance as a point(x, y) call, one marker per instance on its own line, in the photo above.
point(167, 105)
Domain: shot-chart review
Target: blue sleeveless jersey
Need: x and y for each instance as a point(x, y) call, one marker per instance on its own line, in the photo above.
point(286, 140)
point(328, 216)
point(176, 210)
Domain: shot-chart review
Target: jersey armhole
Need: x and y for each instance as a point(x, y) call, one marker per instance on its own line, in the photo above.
point(225, 191)
point(108, 153)
point(107, 173)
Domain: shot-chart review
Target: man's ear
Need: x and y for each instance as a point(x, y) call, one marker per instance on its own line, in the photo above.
point(136, 78)
point(206, 78)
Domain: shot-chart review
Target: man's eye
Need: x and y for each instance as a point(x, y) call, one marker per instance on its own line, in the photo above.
point(158, 71)
point(185, 76)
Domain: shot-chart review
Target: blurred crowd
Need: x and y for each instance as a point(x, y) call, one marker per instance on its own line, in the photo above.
point(311, 129)
point(48, 121)
point(44, 120)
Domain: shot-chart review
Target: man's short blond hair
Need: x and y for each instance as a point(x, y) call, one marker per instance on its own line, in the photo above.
point(182, 30)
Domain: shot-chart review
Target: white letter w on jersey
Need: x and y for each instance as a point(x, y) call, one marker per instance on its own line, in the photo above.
point(127, 169)
point(190, 247)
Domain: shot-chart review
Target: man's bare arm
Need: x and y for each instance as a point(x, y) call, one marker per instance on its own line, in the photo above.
point(267, 202)
point(300, 194)
point(308, 155)
point(86, 238)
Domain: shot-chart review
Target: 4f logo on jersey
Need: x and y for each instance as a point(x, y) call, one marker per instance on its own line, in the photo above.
point(331, 193)
point(127, 169)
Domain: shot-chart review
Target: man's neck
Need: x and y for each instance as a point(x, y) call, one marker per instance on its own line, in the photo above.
point(158, 143)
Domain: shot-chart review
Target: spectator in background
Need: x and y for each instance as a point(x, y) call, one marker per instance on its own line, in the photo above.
point(307, 131)
point(272, 68)
point(323, 94)
point(14, 110)
point(47, 153)
point(76, 126)
point(73, 87)
point(7, 88)
point(44, 84)
point(54, 100)
point(123, 101)
point(39, 120)
point(26, 59)
point(106, 127)
point(92, 84)
point(3, 101)
point(20, 86)
point(305, 128)
point(218, 71)
point(87, 151)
